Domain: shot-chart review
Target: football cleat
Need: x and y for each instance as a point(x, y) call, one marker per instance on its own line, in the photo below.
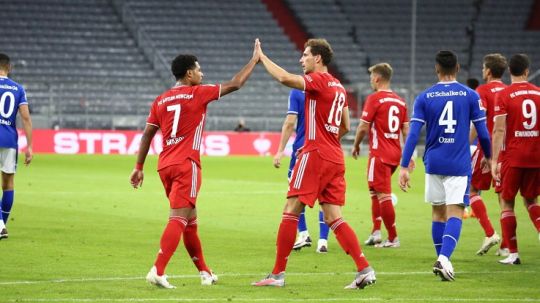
point(302, 241)
point(444, 269)
point(3, 233)
point(363, 278)
point(208, 278)
point(374, 238)
point(503, 252)
point(322, 246)
point(489, 242)
point(160, 281)
point(389, 244)
point(512, 259)
point(272, 280)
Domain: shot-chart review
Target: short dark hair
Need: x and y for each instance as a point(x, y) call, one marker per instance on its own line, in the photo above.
point(4, 61)
point(181, 64)
point(473, 83)
point(519, 63)
point(496, 63)
point(447, 61)
point(321, 47)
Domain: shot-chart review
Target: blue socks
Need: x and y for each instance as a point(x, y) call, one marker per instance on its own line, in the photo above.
point(302, 226)
point(323, 228)
point(451, 236)
point(437, 231)
point(7, 203)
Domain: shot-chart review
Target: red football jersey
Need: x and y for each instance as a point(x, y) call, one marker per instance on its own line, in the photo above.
point(324, 103)
point(487, 93)
point(180, 114)
point(520, 102)
point(386, 111)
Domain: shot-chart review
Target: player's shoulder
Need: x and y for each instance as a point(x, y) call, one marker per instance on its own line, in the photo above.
point(296, 94)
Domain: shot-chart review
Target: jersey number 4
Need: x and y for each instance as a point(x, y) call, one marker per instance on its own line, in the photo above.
point(10, 98)
point(447, 118)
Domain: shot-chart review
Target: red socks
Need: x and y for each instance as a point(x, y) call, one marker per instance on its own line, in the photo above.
point(285, 241)
point(348, 241)
point(480, 212)
point(375, 212)
point(534, 214)
point(193, 245)
point(388, 216)
point(509, 225)
point(169, 241)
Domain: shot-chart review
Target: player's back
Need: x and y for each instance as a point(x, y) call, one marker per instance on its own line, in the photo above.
point(324, 103)
point(180, 114)
point(521, 104)
point(296, 106)
point(488, 93)
point(447, 109)
point(12, 95)
point(386, 111)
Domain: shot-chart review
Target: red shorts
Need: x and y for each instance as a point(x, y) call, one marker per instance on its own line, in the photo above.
point(182, 183)
point(481, 178)
point(314, 178)
point(526, 180)
point(379, 175)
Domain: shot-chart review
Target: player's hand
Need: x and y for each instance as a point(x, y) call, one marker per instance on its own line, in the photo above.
point(277, 159)
point(404, 179)
point(136, 178)
point(496, 171)
point(257, 50)
point(412, 165)
point(355, 151)
point(485, 165)
point(28, 156)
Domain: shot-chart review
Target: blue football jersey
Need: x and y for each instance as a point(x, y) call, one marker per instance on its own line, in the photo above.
point(447, 109)
point(296, 106)
point(12, 95)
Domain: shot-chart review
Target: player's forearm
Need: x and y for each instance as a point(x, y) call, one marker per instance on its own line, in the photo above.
point(243, 75)
point(483, 137)
point(144, 147)
point(27, 126)
point(410, 143)
point(360, 134)
point(286, 132)
point(281, 75)
point(498, 136)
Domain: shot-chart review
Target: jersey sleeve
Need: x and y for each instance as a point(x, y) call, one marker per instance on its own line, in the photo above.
point(152, 116)
point(500, 105)
point(312, 82)
point(296, 99)
point(22, 98)
point(477, 110)
point(405, 117)
point(368, 113)
point(209, 92)
point(419, 113)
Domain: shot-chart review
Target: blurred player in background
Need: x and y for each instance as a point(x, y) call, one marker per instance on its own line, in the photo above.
point(385, 115)
point(516, 123)
point(493, 69)
point(295, 116)
point(319, 173)
point(12, 101)
point(180, 114)
point(447, 109)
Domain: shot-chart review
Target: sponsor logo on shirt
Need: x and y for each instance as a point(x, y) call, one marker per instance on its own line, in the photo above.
point(449, 93)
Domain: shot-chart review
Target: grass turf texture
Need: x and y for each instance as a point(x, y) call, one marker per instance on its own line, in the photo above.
point(79, 232)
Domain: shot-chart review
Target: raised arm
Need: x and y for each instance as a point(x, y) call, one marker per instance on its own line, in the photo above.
point(27, 126)
point(137, 175)
point(276, 71)
point(241, 77)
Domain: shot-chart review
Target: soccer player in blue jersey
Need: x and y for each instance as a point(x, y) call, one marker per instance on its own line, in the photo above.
point(447, 109)
point(12, 100)
point(295, 115)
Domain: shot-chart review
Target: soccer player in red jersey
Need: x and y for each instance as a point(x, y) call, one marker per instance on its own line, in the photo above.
point(180, 114)
point(517, 111)
point(319, 172)
point(493, 69)
point(385, 117)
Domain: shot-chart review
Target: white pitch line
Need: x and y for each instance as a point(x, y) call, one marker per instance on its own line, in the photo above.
point(259, 274)
point(356, 299)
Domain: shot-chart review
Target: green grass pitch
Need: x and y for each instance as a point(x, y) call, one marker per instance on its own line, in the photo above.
point(80, 233)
